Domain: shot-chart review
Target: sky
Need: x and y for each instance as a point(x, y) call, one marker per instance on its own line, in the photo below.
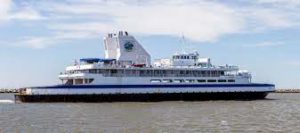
point(39, 38)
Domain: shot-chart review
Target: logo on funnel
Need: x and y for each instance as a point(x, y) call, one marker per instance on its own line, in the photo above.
point(128, 46)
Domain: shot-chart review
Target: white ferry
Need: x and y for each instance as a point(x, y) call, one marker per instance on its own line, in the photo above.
point(126, 74)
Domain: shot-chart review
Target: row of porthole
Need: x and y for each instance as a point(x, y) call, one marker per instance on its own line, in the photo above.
point(190, 80)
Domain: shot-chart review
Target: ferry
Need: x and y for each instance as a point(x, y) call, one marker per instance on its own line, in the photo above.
point(126, 73)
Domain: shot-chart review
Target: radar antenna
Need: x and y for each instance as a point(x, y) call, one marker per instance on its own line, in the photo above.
point(183, 43)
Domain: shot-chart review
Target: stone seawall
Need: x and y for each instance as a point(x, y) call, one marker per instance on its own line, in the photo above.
point(12, 90)
point(6, 90)
point(287, 91)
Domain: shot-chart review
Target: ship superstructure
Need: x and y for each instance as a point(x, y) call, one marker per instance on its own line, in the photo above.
point(127, 74)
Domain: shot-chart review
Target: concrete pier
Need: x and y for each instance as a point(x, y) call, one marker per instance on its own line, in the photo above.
point(287, 91)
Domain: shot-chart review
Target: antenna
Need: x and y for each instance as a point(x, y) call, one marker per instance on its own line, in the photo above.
point(183, 43)
point(186, 47)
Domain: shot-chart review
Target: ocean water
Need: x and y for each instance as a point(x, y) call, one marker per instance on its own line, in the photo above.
point(279, 113)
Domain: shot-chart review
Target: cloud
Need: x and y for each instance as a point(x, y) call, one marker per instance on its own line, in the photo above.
point(4, 8)
point(75, 35)
point(276, 14)
point(62, 34)
point(26, 14)
point(35, 42)
point(295, 63)
point(271, 18)
point(41, 42)
point(265, 44)
point(201, 21)
point(86, 28)
point(9, 11)
point(290, 3)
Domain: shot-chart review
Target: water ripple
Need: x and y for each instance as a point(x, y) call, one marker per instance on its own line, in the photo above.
point(279, 115)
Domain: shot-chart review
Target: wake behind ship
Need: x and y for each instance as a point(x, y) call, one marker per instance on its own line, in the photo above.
point(127, 74)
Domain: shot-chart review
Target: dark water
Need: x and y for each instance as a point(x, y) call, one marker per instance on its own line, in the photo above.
point(279, 115)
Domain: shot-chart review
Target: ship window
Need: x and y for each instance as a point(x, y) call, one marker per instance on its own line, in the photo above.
point(187, 72)
point(155, 80)
point(167, 81)
point(189, 80)
point(201, 80)
point(149, 72)
point(203, 73)
point(181, 72)
point(142, 72)
point(127, 72)
point(213, 73)
point(195, 73)
point(178, 80)
point(87, 81)
point(221, 80)
point(157, 73)
point(91, 80)
point(69, 82)
point(211, 80)
point(78, 81)
point(222, 73)
point(113, 71)
point(231, 80)
point(92, 71)
point(100, 71)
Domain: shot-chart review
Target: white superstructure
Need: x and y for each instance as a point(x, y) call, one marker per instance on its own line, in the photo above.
point(127, 62)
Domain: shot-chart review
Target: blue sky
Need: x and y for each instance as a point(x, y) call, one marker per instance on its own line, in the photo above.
point(38, 39)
